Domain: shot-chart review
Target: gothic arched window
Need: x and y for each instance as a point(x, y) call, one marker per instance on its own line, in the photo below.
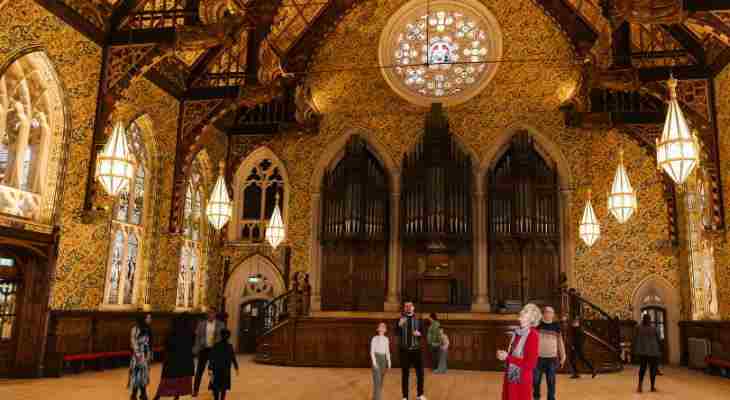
point(189, 273)
point(260, 181)
point(32, 122)
point(128, 228)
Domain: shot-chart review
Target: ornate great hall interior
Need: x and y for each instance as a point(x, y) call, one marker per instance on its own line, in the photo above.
point(303, 167)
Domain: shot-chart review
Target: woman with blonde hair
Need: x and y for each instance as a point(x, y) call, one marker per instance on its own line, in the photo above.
point(521, 357)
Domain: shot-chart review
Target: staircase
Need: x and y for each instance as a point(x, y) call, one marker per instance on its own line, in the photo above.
point(603, 337)
point(277, 314)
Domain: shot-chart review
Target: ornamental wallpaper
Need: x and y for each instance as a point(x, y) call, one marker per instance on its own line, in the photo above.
point(722, 248)
point(521, 95)
point(83, 250)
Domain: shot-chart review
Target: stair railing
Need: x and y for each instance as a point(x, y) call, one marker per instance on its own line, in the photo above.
point(594, 319)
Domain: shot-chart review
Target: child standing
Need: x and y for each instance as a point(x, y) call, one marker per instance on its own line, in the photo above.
point(221, 359)
point(380, 356)
point(442, 368)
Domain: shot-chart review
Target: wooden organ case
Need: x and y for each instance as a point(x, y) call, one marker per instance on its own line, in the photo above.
point(436, 220)
point(523, 227)
point(355, 231)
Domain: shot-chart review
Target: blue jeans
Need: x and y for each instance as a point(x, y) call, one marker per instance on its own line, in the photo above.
point(549, 367)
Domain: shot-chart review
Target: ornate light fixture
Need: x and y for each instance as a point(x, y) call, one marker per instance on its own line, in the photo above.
point(589, 228)
point(275, 230)
point(219, 206)
point(115, 163)
point(677, 150)
point(622, 198)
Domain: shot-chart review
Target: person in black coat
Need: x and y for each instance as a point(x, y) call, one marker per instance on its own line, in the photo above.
point(178, 367)
point(648, 348)
point(222, 357)
point(577, 354)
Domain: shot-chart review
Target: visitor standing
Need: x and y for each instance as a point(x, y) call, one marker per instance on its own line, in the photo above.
point(409, 330)
point(577, 354)
point(551, 355)
point(178, 367)
point(207, 334)
point(647, 347)
point(139, 363)
point(380, 357)
point(444, 355)
point(222, 358)
point(434, 340)
point(521, 357)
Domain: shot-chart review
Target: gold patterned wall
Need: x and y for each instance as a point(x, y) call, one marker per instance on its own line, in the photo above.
point(722, 249)
point(83, 250)
point(522, 94)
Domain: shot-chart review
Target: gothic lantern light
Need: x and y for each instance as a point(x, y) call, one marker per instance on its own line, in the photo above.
point(219, 206)
point(622, 198)
point(275, 230)
point(677, 150)
point(115, 163)
point(589, 228)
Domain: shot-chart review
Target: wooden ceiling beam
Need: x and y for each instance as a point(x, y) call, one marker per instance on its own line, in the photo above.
point(720, 62)
point(580, 32)
point(74, 19)
point(210, 93)
point(706, 5)
point(142, 36)
point(685, 38)
point(683, 72)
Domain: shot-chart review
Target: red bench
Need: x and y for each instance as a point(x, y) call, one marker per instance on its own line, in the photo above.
point(717, 363)
point(80, 358)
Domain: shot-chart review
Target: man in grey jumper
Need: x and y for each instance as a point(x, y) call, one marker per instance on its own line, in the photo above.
point(551, 354)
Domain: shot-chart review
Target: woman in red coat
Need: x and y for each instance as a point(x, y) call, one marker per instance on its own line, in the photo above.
point(521, 358)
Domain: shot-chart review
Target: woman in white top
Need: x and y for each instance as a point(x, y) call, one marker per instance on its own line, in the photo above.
point(380, 356)
point(442, 368)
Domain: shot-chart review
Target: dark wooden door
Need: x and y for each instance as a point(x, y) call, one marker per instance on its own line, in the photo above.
point(251, 325)
point(523, 228)
point(8, 323)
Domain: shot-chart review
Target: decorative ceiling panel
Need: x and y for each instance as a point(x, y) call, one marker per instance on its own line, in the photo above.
point(590, 10)
point(229, 69)
point(292, 20)
point(654, 39)
point(190, 56)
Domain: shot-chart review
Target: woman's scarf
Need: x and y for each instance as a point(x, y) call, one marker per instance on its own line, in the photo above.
point(514, 373)
point(519, 348)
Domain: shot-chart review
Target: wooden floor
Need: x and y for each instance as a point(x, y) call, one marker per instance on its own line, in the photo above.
point(260, 382)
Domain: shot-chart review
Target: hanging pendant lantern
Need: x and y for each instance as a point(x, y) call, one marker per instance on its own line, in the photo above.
point(115, 163)
point(622, 198)
point(219, 206)
point(677, 151)
point(275, 230)
point(589, 228)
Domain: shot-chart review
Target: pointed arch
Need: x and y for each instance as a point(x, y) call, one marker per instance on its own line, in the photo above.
point(660, 293)
point(33, 108)
point(237, 293)
point(273, 178)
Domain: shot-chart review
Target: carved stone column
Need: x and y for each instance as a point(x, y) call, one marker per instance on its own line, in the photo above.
point(480, 301)
point(392, 300)
point(315, 255)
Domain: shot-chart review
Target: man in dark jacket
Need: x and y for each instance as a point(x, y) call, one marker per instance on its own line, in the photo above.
point(577, 354)
point(409, 330)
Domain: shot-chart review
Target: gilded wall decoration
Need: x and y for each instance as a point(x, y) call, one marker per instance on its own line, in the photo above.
point(522, 94)
point(722, 249)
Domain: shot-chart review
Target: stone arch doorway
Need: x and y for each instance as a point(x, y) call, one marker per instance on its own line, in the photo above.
point(656, 297)
point(255, 278)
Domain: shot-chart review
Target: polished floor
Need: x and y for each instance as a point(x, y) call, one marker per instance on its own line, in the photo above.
point(260, 382)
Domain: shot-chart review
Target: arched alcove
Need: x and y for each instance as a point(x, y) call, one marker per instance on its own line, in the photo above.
point(655, 291)
point(238, 290)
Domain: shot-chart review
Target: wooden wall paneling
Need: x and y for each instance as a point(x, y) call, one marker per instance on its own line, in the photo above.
point(714, 331)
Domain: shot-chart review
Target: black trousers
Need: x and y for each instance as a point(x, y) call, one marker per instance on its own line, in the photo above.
point(412, 358)
point(653, 363)
point(577, 355)
point(435, 354)
point(200, 368)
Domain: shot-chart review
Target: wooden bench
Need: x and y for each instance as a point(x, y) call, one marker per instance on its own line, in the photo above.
point(97, 340)
point(719, 365)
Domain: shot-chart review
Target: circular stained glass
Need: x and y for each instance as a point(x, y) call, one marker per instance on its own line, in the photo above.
point(440, 51)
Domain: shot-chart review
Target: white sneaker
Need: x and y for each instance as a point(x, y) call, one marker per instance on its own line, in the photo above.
point(421, 398)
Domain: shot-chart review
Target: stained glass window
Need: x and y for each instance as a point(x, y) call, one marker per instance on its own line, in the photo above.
point(191, 253)
point(8, 290)
point(263, 183)
point(440, 51)
point(128, 228)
